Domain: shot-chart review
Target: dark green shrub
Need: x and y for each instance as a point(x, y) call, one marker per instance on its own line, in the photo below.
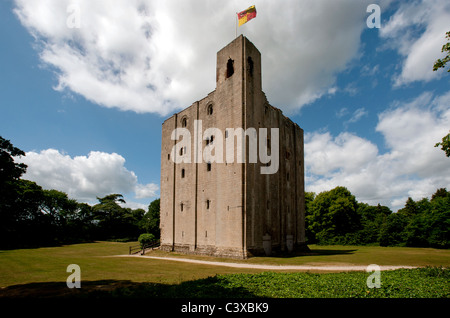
point(146, 238)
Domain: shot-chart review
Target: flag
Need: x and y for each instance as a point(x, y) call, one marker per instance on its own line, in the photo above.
point(246, 15)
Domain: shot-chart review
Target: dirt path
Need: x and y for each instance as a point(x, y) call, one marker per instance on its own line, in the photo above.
point(333, 268)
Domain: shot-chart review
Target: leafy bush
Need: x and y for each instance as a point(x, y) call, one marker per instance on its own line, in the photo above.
point(146, 238)
point(431, 282)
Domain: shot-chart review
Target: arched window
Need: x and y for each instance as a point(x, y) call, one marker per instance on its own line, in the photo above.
point(184, 122)
point(230, 67)
point(210, 109)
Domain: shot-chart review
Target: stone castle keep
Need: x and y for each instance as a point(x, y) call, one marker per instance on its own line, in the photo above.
point(232, 209)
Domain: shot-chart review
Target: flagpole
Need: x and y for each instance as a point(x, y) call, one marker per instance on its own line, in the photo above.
point(236, 24)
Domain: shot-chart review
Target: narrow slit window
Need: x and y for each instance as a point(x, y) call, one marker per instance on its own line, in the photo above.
point(181, 207)
point(250, 65)
point(288, 155)
point(207, 204)
point(182, 173)
point(208, 166)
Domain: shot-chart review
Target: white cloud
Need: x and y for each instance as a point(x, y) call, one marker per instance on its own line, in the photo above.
point(357, 115)
point(84, 177)
point(417, 31)
point(158, 56)
point(134, 205)
point(146, 191)
point(412, 166)
point(325, 154)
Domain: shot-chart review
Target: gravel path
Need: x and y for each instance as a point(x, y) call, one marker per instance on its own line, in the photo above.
point(339, 268)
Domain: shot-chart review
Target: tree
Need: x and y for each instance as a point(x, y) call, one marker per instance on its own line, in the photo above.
point(440, 193)
point(333, 215)
point(145, 239)
point(24, 224)
point(445, 144)
point(9, 170)
point(391, 232)
point(115, 221)
point(445, 48)
point(410, 209)
point(152, 218)
point(10, 173)
point(309, 199)
point(372, 219)
point(109, 215)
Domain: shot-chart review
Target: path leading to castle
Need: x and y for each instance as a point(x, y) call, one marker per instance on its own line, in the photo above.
point(333, 268)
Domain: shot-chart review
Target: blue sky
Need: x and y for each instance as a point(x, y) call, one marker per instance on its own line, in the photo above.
point(86, 103)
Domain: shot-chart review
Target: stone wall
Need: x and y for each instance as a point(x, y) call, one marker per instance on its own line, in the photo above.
point(226, 208)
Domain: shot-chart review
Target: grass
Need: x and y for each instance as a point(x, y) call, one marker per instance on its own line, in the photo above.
point(42, 272)
point(344, 255)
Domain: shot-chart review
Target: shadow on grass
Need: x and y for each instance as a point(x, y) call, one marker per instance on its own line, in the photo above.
point(320, 252)
point(312, 252)
point(211, 287)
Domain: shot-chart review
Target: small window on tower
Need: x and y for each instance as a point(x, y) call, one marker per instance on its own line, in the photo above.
point(182, 173)
point(207, 204)
point(208, 166)
point(288, 155)
point(184, 122)
point(210, 110)
point(250, 65)
point(230, 67)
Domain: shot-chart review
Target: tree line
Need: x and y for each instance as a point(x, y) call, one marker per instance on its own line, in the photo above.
point(335, 217)
point(31, 216)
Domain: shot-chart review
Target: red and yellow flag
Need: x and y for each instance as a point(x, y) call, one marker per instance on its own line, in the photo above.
point(246, 15)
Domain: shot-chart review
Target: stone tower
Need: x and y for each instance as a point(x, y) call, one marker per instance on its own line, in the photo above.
point(234, 202)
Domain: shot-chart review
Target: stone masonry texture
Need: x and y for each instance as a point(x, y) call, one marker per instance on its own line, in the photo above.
point(230, 208)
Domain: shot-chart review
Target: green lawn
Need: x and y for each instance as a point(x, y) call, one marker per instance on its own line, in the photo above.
point(42, 272)
point(345, 255)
